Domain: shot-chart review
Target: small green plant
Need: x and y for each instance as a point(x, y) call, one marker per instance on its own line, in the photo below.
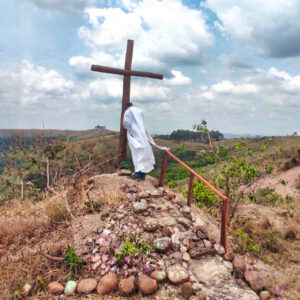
point(96, 206)
point(74, 263)
point(283, 182)
point(42, 281)
point(246, 242)
point(131, 246)
point(268, 169)
point(252, 198)
point(262, 148)
point(203, 195)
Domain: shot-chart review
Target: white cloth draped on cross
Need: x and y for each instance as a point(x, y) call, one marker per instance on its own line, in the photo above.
point(139, 140)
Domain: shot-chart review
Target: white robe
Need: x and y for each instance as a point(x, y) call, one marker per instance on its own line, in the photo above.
point(141, 151)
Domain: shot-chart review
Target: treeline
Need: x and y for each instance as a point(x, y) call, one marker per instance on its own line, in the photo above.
point(30, 167)
point(188, 135)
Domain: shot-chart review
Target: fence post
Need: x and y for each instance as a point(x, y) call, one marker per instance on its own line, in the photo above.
point(190, 194)
point(223, 241)
point(163, 169)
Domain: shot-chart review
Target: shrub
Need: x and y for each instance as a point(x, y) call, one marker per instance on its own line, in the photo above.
point(204, 196)
point(245, 242)
point(268, 169)
point(56, 210)
point(291, 232)
point(268, 196)
point(272, 242)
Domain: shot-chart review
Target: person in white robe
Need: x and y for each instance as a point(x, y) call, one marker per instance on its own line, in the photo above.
point(141, 151)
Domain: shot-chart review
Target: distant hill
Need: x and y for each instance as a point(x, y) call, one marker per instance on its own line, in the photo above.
point(27, 136)
point(78, 134)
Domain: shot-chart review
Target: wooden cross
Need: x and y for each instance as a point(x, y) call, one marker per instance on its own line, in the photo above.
point(127, 72)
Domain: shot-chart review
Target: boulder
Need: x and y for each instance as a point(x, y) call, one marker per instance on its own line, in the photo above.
point(126, 286)
point(107, 284)
point(55, 288)
point(147, 285)
point(177, 274)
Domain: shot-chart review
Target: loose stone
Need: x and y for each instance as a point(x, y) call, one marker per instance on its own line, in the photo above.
point(162, 244)
point(158, 275)
point(126, 286)
point(186, 210)
point(207, 243)
point(177, 274)
point(86, 286)
point(229, 255)
point(186, 256)
point(70, 288)
point(107, 284)
point(140, 207)
point(147, 285)
point(55, 288)
point(264, 295)
point(150, 225)
point(186, 290)
point(239, 264)
point(26, 289)
point(170, 195)
point(220, 249)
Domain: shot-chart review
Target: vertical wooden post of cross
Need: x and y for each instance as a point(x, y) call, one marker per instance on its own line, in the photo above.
point(126, 98)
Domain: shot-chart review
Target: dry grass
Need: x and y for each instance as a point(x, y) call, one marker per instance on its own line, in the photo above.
point(17, 230)
point(34, 270)
point(56, 211)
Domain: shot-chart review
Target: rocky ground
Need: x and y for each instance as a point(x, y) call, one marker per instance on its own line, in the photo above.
point(148, 242)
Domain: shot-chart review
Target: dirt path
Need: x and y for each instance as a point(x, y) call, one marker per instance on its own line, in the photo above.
point(284, 183)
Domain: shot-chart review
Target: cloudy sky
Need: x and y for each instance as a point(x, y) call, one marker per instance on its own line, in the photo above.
point(235, 63)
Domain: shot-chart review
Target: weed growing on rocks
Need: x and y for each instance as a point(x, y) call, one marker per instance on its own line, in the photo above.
point(245, 242)
point(132, 246)
point(74, 263)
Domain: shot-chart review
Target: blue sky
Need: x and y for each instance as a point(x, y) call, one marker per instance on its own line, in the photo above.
point(234, 63)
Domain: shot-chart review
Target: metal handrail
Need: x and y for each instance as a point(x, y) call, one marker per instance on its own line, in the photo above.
point(193, 174)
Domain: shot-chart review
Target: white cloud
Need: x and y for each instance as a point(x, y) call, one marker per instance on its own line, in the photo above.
point(166, 34)
point(65, 6)
point(178, 79)
point(227, 87)
point(271, 26)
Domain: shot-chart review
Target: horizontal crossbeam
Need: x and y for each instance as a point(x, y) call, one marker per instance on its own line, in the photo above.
point(110, 70)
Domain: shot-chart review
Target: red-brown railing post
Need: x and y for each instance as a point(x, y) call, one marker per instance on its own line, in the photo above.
point(223, 240)
point(190, 194)
point(163, 169)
